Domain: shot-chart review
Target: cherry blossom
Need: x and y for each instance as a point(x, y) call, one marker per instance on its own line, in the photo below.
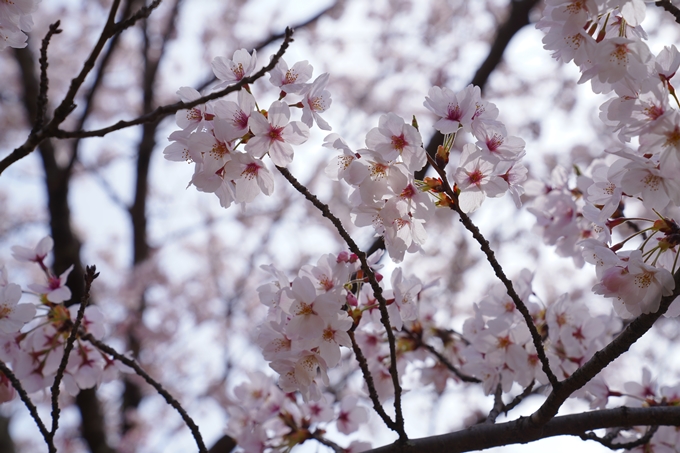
point(231, 71)
point(275, 135)
point(316, 100)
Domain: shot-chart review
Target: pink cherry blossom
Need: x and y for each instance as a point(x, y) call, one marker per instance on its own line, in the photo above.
point(13, 315)
point(316, 100)
point(275, 134)
point(231, 71)
point(393, 138)
point(250, 177)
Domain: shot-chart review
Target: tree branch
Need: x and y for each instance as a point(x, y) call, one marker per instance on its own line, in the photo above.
point(29, 405)
point(90, 274)
point(159, 388)
point(670, 7)
point(482, 436)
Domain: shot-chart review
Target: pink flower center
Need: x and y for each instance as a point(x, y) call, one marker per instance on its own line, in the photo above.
point(275, 134)
point(290, 77)
point(399, 142)
point(241, 119)
point(250, 171)
point(673, 137)
point(238, 71)
point(454, 113)
point(475, 177)
point(494, 142)
point(408, 192)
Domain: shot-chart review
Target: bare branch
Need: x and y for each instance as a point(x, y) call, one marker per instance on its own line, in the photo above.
point(29, 404)
point(44, 81)
point(670, 7)
point(166, 110)
point(497, 406)
point(608, 442)
point(143, 13)
point(420, 343)
point(159, 388)
point(370, 384)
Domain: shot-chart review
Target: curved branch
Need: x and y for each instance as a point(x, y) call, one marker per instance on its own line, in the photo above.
point(398, 426)
point(633, 331)
point(159, 388)
point(479, 437)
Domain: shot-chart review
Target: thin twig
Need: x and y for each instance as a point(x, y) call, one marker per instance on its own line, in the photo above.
point(498, 270)
point(143, 13)
point(90, 274)
point(497, 406)
point(44, 81)
point(519, 398)
point(607, 442)
point(319, 436)
point(159, 388)
point(670, 7)
point(377, 292)
point(29, 405)
point(440, 357)
point(370, 384)
point(163, 111)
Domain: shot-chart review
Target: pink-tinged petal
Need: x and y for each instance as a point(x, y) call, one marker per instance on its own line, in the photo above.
point(279, 114)
point(295, 133)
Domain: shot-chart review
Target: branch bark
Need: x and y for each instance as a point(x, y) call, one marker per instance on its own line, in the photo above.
point(483, 436)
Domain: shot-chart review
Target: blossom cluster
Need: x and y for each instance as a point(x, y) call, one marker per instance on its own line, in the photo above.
point(15, 18)
point(226, 139)
point(501, 350)
point(263, 417)
point(605, 40)
point(385, 194)
point(34, 355)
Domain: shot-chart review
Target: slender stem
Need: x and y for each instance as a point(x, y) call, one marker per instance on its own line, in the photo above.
point(440, 357)
point(491, 258)
point(377, 291)
point(370, 384)
point(90, 274)
point(159, 388)
point(44, 81)
point(29, 405)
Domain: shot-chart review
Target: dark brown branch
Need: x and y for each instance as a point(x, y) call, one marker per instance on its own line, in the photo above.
point(159, 388)
point(143, 13)
point(670, 7)
point(44, 81)
point(633, 331)
point(482, 436)
point(98, 77)
point(370, 384)
point(166, 110)
point(377, 292)
point(90, 274)
point(497, 406)
point(519, 398)
point(29, 405)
